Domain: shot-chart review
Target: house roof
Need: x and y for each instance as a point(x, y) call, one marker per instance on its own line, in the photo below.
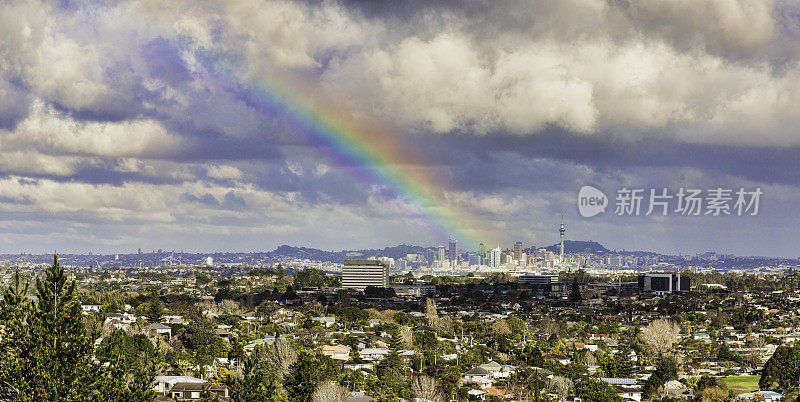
point(195, 386)
point(496, 391)
point(620, 381)
point(674, 384)
point(174, 379)
point(492, 365)
point(157, 325)
point(377, 351)
point(336, 348)
point(477, 371)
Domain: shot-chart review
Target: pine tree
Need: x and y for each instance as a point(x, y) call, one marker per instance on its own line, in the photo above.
point(575, 295)
point(14, 308)
point(59, 360)
point(258, 381)
point(155, 311)
point(15, 301)
point(46, 355)
point(396, 341)
point(393, 379)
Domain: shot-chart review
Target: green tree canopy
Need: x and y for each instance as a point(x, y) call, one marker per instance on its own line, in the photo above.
point(47, 355)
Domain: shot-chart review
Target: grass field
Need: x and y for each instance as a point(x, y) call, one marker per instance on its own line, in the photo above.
point(741, 384)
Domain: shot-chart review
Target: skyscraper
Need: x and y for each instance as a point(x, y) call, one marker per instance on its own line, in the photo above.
point(562, 231)
point(452, 252)
point(482, 254)
point(494, 259)
point(440, 256)
point(518, 250)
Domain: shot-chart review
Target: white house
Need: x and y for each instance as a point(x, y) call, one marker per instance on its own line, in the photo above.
point(90, 308)
point(374, 354)
point(326, 321)
point(157, 328)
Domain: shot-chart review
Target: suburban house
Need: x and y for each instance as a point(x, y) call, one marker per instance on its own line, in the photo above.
point(497, 370)
point(90, 308)
point(677, 390)
point(478, 376)
point(326, 321)
point(194, 390)
point(187, 388)
point(336, 352)
point(120, 320)
point(158, 329)
point(374, 354)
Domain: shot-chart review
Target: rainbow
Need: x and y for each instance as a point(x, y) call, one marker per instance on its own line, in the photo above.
point(370, 153)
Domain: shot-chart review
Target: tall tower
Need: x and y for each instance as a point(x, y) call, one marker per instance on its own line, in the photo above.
point(452, 252)
point(518, 250)
point(562, 231)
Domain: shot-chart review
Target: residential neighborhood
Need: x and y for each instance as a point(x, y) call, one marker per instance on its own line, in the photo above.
point(257, 337)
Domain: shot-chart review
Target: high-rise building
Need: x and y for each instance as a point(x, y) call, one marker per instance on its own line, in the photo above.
point(482, 254)
point(452, 252)
point(358, 274)
point(494, 258)
point(562, 231)
point(430, 255)
point(440, 255)
point(518, 250)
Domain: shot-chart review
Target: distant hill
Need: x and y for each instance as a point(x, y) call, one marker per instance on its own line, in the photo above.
point(579, 246)
point(339, 256)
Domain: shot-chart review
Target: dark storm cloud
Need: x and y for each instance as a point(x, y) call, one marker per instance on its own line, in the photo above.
point(205, 199)
point(165, 63)
point(486, 155)
point(14, 102)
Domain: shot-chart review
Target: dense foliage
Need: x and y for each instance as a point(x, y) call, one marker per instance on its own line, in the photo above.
point(47, 355)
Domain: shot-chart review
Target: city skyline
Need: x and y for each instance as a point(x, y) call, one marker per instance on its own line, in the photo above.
point(245, 125)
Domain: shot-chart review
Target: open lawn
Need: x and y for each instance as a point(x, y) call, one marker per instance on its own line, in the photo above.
point(741, 384)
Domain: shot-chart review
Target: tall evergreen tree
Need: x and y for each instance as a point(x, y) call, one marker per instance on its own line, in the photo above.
point(14, 309)
point(309, 370)
point(258, 381)
point(155, 311)
point(47, 355)
point(575, 295)
point(60, 364)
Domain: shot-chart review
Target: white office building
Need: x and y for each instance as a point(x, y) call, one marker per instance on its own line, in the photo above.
point(494, 257)
point(358, 274)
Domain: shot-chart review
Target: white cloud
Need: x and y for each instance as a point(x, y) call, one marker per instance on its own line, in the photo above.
point(224, 172)
point(630, 89)
point(269, 34)
point(725, 27)
point(31, 163)
point(53, 132)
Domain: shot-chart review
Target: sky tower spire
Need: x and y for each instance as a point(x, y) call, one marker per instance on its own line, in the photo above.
point(562, 231)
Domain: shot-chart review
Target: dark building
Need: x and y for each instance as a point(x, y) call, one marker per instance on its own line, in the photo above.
point(543, 283)
point(665, 283)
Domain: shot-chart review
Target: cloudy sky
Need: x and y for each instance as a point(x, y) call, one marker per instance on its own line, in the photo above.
point(115, 132)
